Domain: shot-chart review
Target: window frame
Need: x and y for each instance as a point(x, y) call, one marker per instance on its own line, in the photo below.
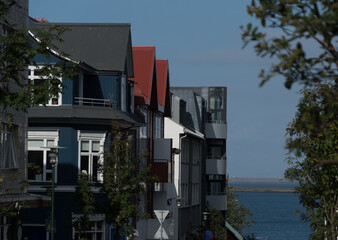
point(33, 77)
point(45, 136)
point(92, 218)
point(91, 136)
point(8, 133)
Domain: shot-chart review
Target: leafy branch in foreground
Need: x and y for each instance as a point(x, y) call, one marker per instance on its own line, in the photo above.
point(295, 23)
point(84, 197)
point(18, 50)
point(313, 151)
point(123, 182)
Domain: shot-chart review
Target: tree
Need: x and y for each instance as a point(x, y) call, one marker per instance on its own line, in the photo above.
point(313, 149)
point(122, 184)
point(238, 216)
point(298, 22)
point(216, 224)
point(17, 50)
point(84, 197)
point(312, 141)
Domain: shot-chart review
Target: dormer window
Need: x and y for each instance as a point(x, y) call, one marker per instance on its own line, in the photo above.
point(34, 75)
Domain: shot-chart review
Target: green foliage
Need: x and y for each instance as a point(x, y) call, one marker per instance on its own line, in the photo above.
point(313, 151)
point(10, 208)
point(216, 224)
point(237, 215)
point(123, 182)
point(17, 51)
point(297, 22)
point(84, 197)
point(312, 141)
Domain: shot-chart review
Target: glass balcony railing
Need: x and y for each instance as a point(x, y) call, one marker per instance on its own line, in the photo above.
point(216, 193)
point(96, 102)
point(210, 157)
point(217, 121)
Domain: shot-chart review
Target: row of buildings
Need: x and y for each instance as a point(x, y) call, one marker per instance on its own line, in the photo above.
point(117, 85)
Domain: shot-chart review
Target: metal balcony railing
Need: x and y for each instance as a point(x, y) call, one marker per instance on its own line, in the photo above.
point(96, 102)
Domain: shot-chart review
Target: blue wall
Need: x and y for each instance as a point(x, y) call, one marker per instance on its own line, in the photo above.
point(102, 87)
point(68, 157)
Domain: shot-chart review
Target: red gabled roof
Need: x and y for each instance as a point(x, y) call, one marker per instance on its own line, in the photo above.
point(162, 77)
point(144, 73)
point(163, 85)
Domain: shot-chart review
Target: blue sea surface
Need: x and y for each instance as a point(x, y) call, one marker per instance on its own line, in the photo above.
point(274, 215)
point(280, 184)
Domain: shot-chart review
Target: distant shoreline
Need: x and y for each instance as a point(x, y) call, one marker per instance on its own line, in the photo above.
point(263, 189)
point(257, 180)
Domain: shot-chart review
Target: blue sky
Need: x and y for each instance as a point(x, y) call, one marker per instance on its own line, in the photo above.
point(202, 40)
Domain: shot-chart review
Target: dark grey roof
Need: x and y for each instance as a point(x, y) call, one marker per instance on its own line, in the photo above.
point(104, 46)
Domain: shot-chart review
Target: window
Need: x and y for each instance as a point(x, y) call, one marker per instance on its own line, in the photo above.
point(91, 153)
point(217, 103)
point(216, 149)
point(195, 193)
point(143, 129)
point(158, 126)
point(34, 76)
point(196, 152)
point(40, 169)
point(216, 184)
point(95, 230)
point(8, 156)
point(4, 225)
point(185, 194)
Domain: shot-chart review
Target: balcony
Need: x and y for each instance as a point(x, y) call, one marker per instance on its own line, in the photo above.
point(216, 129)
point(161, 164)
point(160, 170)
point(216, 166)
point(217, 201)
point(96, 102)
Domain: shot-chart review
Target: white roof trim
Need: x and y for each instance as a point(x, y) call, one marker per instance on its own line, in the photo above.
point(53, 51)
point(237, 235)
point(91, 135)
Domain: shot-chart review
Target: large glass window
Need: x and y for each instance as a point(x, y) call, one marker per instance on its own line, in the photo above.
point(217, 106)
point(158, 125)
point(216, 149)
point(216, 184)
point(8, 155)
point(91, 154)
point(37, 79)
point(39, 167)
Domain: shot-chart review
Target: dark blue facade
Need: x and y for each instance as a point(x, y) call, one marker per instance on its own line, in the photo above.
point(86, 89)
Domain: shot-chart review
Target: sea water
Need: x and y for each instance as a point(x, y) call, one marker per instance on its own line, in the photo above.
point(274, 213)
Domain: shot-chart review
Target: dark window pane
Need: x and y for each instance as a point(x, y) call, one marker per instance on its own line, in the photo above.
point(48, 176)
point(49, 166)
point(85, 164)
point(35, 158)
point(55, 101)
point(94, 167)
